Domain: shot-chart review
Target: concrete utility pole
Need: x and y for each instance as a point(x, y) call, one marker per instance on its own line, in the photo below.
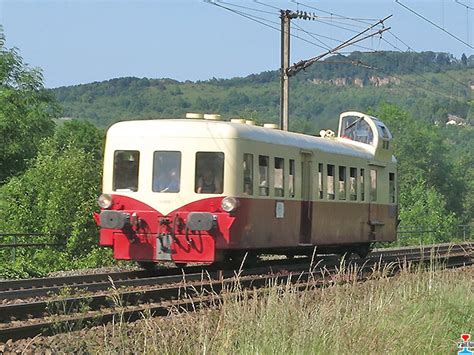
point(285, 16)
point(287, 71)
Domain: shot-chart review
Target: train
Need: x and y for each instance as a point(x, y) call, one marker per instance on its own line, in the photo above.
point(203, 190)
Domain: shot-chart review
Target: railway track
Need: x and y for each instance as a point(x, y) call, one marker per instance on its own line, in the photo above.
point(129, 295)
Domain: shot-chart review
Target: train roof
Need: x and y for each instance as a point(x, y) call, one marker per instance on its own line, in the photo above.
point(200, 128)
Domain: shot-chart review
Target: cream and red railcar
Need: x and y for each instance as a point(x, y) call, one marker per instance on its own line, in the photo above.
point(205, 190)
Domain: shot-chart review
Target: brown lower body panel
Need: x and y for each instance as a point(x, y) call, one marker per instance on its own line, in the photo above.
point(256, 224)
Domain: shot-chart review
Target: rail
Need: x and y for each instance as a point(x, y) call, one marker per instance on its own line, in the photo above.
point(14, 240)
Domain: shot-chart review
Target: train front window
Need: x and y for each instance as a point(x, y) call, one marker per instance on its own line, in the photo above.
point(166, 171)
point(209, 176)
point(125, 177)
point(357, 129)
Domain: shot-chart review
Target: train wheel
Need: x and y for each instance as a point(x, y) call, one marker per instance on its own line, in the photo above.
point(147, 265)
point(363, 250)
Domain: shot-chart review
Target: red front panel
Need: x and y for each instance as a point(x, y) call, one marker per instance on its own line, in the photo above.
point(140, 242)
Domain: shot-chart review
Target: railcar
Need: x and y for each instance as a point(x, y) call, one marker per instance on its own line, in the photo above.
point(202, 190)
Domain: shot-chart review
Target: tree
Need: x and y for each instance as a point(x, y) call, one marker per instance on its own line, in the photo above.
point(424, 207)
point(26, 110)
point(56, 194)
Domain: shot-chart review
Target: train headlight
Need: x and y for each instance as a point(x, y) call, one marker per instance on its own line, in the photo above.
point(229, 204)
point(104, 201)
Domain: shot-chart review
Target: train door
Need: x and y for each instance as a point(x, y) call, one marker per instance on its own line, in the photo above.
point(306, 204)
point(373, 198)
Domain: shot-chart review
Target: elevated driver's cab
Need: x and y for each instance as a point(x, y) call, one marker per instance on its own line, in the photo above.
point(367, 130)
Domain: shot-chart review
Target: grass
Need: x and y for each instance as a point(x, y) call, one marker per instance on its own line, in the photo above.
point(420, 312)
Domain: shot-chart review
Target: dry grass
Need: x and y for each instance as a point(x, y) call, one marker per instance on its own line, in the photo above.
point(420, 312)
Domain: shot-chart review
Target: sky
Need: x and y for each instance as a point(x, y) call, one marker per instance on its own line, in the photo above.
point(82, 41)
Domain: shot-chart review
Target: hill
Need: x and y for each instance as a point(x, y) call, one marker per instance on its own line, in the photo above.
point(428, 85)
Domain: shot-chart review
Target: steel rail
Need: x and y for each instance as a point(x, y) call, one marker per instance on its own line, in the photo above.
point(192, 295)
point(41, 287)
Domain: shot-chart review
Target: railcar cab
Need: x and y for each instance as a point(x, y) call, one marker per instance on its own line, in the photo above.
point(369, 131)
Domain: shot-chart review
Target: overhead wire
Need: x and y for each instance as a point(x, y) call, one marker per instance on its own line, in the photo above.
point(433, 89)
point(434, 24)
point(366, 21)
point(325, 46)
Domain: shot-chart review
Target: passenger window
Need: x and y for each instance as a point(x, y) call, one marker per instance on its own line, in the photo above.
point(248, 174)
point(279, 177)
point(263, 175)
point(353, 184)
point(373, 185)
point(166, 171)
point(362, 184)
point(391, 187)
point(126, 163)
point(209, 173)
point(320, 181)
point(291, 184)
point(330, 182)
point(342, 183)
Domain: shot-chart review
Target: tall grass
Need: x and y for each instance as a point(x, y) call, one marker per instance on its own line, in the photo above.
point(420, 312)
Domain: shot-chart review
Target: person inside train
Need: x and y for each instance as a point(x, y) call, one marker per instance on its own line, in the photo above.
point(168, 181)
point(208, 182)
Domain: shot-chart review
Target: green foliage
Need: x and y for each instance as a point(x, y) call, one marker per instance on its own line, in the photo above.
point(427, 158)
point(26, 110)
point(427, 85)
point(422, 206)
point(57, 194)
point(20, 269)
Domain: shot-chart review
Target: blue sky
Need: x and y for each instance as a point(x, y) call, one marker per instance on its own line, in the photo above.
point(78, 42)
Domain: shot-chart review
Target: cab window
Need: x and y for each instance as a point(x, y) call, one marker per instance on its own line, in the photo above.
point(357, 129)
point(166, 171)
point(209, 174)
point(126, 164)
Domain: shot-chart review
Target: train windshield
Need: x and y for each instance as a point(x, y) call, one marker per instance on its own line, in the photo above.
point(126, 164)
point(209, 172)
point(166, 171)
point(357, 129)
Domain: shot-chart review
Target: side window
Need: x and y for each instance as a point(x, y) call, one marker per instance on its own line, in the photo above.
point(209, 173)
point(166, 171)
point(362, 184)
point(342, 183)
point(320, 181)
point(263, 175)
point(248, 174)
point(291, 183)
point(391, 187)
point(126, 163)
point(279, 177)
point(353, 184)
point(330, 182)
point(373, 185)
